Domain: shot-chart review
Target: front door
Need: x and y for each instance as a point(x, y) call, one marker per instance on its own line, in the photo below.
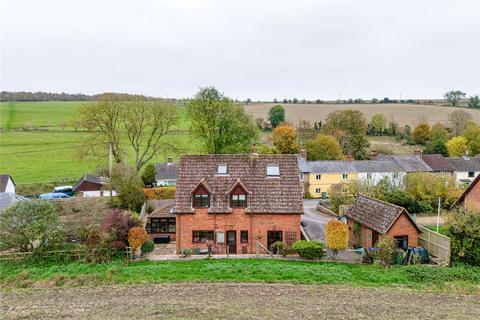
point(232, 241)
point(272, 237)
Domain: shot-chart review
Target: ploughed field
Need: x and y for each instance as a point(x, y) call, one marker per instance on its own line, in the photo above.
point(234, 300)
point(410, 114)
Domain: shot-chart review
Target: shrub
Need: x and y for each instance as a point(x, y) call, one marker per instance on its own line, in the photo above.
point(129, 188)
point(464, 230)
point(147, 247)
point(30, 225)
point(148, 174)
point(385, 251)
point(160, 193)
point(137, 237)
point(115, 227)
point(186, 252)
point(278, 246)
point(309, 249)
point(337, 236)
point(421, 133)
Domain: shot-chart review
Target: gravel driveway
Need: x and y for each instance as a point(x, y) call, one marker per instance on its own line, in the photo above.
point(316, 221)
point(237, 301)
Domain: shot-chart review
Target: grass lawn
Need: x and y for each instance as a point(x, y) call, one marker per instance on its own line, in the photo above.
point(441, 229)
point(465, 279)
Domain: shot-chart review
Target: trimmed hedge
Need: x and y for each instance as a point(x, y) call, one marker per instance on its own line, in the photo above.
point(309, 249)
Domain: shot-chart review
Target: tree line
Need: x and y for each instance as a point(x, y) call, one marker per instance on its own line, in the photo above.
point(49, 96)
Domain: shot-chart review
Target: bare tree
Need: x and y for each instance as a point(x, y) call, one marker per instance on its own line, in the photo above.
point(458, 121)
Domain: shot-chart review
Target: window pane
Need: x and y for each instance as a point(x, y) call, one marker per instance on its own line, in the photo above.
point(244, 236)
point(222, 169)
point(273, 170)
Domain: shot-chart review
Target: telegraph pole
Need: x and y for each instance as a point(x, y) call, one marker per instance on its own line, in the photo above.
point(110, 156)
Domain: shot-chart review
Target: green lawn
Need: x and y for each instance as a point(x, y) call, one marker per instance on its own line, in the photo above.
point(252, 270)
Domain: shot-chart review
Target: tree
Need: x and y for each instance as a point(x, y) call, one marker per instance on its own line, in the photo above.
point(148, 175)
point(284, 138)
point(439, 132)
point(324, 147)
point(454, 96)
point(474, 102)
point(115, 226)
point(137, 237)
point(378, 124)
point(31, 225)
point(129, 188)
point(457, 146)
point(348, 127)
point(464, 231)
point(458, 121)
point(472, 136)
point(421, 133)
point(337, 236)
point(437, 146)
point(276, 116)
point(222, 126)
point(425, 186)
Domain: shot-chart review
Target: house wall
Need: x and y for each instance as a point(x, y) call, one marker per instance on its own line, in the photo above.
point(10, 187)
point(326, 182)
point(257, 226)
point(459, 175)
point(100, 193)
point(376, 177)
point(166, 183)
point(472, 199)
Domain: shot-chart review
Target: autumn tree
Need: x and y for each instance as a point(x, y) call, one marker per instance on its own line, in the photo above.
point(421, 133)
point(454, 96)
point(323, 147)
point(284, 139)
point(438, 132)
point(458, 121)
point(472, 137)
point(276, 116)
point(457, 146)
point(136, 237)
point(337, 236)
point(378, 124)
point(425, 186)
point(222, 126)
point(349, 128)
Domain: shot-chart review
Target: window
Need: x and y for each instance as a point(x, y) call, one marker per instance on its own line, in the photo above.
point(369, 176)
point(222, 168)
point(301, 176)
point(395, 176)
point(471, 174)
point(345, 176)
point(273, 170)
point(344, 189)
point(239, 201)
point(202, 235)
point(318, 190)
point(244, 236)
point(402, 242)
point(159, 225)
point(201, 201)
point(318, 176)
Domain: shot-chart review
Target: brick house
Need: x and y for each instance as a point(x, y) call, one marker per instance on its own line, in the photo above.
point(470, 198)
point(235, 200)
point(161, 222)
point(369, 218)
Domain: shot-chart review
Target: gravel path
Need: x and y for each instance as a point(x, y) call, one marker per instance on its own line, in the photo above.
point(238, 301)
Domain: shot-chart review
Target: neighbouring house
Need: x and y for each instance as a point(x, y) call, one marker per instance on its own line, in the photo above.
point(93, 186)
point(161, 221)
point(318, 177)
point(369, 218)
point(470, 198)
point(439, 164)
point(8, 199)
point(374, 171)
point(7, 184)
point(466, 168)
point(166, 173)
point(409, 163)
point(233, 201)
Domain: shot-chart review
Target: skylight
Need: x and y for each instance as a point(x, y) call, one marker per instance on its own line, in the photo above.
point(222, 168)
point(273, 170)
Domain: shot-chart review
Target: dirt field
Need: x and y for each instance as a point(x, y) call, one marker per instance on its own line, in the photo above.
point(238, 301)
point(410, 114)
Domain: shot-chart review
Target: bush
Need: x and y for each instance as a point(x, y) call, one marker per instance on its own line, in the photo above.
point(147, 247)
point(385, 251)
point(337, 236)
point(186, 252)
point(148, 174)
point(278, 246)
point(464, 230)
point(160, 193)
point(309, 249)
point(31, 225)
point(137, 237)
point(115, 227)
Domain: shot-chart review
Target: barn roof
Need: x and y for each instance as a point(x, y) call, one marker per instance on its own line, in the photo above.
point(273, 194)
point(375, 214)
point(4, 181)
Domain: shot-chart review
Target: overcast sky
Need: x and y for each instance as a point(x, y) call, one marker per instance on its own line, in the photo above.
point(247, 49)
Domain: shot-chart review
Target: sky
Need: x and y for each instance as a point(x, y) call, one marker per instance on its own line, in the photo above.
point(261, 50)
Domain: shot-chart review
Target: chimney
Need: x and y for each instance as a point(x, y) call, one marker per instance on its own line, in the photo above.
point(349, 158)
point(373, 155)
point(303, 153)
point(417, 153)
point(169, 160)
point(465, 155)
point(254, 154)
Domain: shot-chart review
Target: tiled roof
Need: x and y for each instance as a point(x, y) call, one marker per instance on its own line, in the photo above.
point(303, 164)
point(375, 214)
point(329, 166)
point(411, 163)
point(4, 181)
point(465, 163)
point(278, 194)
point(376, 166)
point(166, 170)
point(161, 208)
point(90, 178)
point(437, 162)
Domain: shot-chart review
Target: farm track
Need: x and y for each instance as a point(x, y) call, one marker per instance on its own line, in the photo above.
point(238, 301)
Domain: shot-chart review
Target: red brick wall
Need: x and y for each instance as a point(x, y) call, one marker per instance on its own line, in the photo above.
point(256, 224)
point(404, 227)
point(472, 199)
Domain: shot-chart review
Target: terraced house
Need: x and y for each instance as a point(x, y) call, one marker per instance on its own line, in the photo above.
point(230, 202)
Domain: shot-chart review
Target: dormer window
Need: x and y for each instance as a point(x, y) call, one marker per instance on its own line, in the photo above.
point(222, 168)
point(201, 198)
point(273, 170)
point(238, 197)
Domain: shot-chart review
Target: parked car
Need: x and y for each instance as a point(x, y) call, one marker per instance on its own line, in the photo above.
point(68, 190)
point(54, 195)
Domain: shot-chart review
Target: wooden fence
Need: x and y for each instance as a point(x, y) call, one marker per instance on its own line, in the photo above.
point(437, 244)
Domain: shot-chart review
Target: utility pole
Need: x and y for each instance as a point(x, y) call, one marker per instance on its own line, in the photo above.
point(438, 214)
point(110, 156)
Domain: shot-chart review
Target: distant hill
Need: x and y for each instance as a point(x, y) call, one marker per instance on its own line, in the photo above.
point(49, 96)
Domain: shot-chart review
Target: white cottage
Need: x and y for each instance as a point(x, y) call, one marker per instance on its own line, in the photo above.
point(374, 171)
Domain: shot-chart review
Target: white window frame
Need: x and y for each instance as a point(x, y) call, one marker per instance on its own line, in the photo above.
point(273, 170)
point(222, 168)
point(318, 190)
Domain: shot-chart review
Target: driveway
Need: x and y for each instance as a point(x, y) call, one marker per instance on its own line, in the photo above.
point(316, 221)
